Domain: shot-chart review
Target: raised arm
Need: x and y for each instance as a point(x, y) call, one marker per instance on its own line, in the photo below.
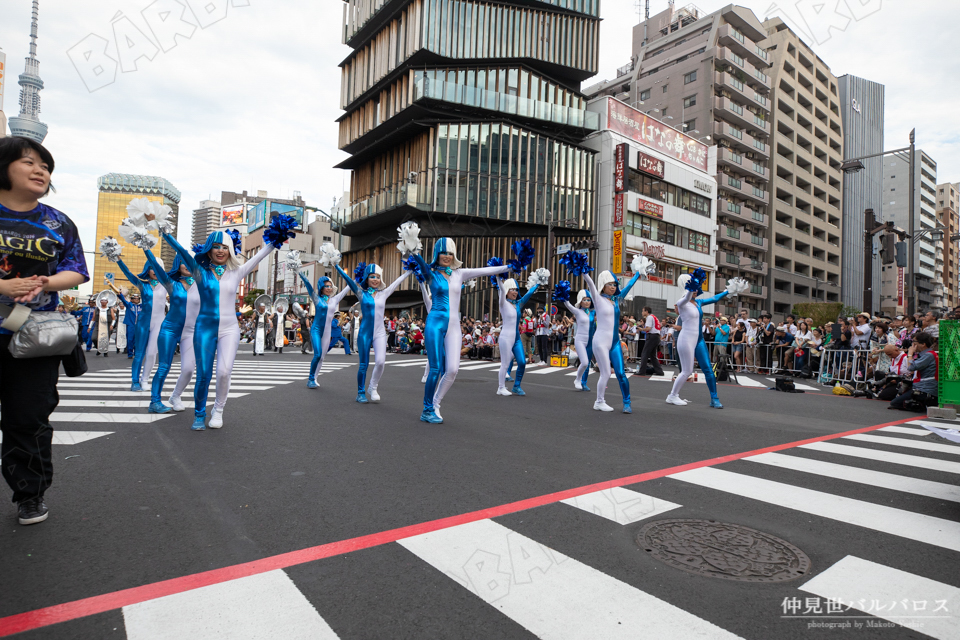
point(249, 265)
point(134, 280)
point(188, 259)
point(350, 281)
point(713, 299)
point(470, 274)
point(306, 283)
point(502, 292)
point(629, 285)
point(594, 294)
point(424, 267)
point(396, 283)
point(526, 297)
point(158, 270)
point(685, 299)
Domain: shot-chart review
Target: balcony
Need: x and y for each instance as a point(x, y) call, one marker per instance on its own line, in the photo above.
point(743, 91)
point(755, 290)
point(741, 238)
point(733, 112)
point(729, 37)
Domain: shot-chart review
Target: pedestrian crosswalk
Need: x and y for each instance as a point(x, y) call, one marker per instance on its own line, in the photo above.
point(552, 578)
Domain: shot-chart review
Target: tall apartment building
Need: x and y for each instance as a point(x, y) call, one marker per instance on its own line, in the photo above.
point(707, 76)
point(467, 117)
point(116, 190)
point(806, 180)
point(206, 220)
point(896, 198)
point(861, 108)
point(948, 215)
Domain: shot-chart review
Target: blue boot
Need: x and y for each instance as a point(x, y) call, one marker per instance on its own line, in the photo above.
point(198, 424)
point(428, 415)
point(136, 387)
point(517, 391)
point(627, 408)
point(509, 378)
point(362, 397)
point(584, 385)
point(311, 384)
point(715, 403)
point(158, 407)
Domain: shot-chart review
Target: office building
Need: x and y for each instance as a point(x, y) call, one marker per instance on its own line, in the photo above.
point(707, 76)
point(948, 215)
point(467, 117)
point(805, 176)
point(28, 124)
point(206, 220)
point(861, 109)
point(116, 190)
point(896, 199)
point(659, 201)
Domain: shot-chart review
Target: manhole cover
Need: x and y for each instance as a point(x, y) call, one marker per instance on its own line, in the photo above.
point(722, 550)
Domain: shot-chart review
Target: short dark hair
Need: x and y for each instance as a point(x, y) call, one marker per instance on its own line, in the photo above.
point(648, 309)
point(924, 338)
point(14, 148)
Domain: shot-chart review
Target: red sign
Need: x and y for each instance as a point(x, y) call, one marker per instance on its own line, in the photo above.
point(650, 208)
point(653, 134)
point(620, 168)
point(900, 286)
point(652, 250)
point(618, 210)
point(650, 165)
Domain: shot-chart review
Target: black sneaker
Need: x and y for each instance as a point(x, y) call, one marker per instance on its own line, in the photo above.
point(32, 510)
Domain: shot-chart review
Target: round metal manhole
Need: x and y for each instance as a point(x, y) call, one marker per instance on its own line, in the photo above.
point(722, 550)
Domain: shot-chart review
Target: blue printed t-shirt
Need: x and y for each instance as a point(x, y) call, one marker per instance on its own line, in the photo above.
point(723, 334)
point(41, 242)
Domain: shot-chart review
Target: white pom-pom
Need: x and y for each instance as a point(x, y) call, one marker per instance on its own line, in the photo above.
point(138, 210)
point(644, 266)
point(329, 256)
point(736, 286)
point(539, 277)
point(164, 220)
point(293, 260)
point(110, 249)
point(137, 235)
point(409, 235)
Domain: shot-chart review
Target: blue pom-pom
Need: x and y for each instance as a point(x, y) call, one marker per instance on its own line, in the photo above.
point(235, 236)
point(279, 230)
point(358, 272)
point(697, 278)
point(561, 291)
point(412, 265)
point(576, 263)
point(197, 248)
point(496, 279)
point(524, 252)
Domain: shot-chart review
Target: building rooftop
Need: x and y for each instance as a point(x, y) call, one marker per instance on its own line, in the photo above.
point(130, 183)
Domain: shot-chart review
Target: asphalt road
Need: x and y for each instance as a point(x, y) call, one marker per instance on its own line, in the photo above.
point(152, 505)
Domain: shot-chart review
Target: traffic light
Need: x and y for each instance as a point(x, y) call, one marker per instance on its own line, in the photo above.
point(888, 250)
point(901, 254)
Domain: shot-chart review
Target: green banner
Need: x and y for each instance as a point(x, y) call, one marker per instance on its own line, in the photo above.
point(949, 374)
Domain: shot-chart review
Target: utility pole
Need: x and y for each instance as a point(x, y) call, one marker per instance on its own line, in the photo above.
point(911, 285)
point(871, 229)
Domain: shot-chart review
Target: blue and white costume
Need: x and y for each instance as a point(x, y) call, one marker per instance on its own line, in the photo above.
point(371, 332)
point(326, 307)
point(171, 328)
point(153, 298)
point(510, 346)
point(442, 334)
point(583, 341)
point(606, 338)
point(217, 333)
point(425, 293)
point(188, 357)
point(690, 341)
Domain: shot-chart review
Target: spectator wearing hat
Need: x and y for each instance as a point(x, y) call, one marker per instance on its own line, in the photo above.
point(721, 337)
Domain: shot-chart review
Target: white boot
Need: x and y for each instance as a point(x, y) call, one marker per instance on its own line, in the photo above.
point(374, 396)
point(216, 419)
point(436, 410)
point(503, 391)
point(600, 405)
point(672, 399)
point(176, 403)
point(577, 385)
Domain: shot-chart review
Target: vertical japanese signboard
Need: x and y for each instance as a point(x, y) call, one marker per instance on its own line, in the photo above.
point(620, 168)
point(618, 205)
point(900, 286)
point(617, 266)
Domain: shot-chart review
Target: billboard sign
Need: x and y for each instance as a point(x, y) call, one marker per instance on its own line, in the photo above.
point(617, 266)
point(650, 165)
point(900, 286)
point(257, 217)
point(620, 168)
point(653, 134)
point(618, 209)
point(295, 212)
point(3, 80)
point(232, 215)
point(650, 208)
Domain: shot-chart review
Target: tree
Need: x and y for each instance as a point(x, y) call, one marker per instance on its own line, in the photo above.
point(821, 312)
point(251, 296)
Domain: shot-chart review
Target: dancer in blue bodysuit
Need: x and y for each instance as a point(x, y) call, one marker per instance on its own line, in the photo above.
point(511, 348)
point(690, 341)
point(178, 283)
point(154, 298)
point(586, 319)
point(442, 335)
point(371, 333)
point(326, 301)
point(218, 272)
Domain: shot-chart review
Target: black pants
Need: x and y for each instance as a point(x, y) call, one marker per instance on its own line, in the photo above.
point(650, 345)
point(28, 393)
point(543, 347)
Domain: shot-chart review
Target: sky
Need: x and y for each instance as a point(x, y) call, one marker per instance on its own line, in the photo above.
point(246, 98)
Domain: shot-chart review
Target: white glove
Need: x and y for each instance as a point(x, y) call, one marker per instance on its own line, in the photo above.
point(644, 266)
point(539, 277)
point(736, 286)
point(110, 249)
point(409, 235)
point(137, 235)
point(293, 260)
point(329, 256)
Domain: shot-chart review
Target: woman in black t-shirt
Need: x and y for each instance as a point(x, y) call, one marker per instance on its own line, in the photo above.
point(40, 254)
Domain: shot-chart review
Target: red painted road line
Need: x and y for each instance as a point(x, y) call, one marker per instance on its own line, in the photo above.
point(109, 601)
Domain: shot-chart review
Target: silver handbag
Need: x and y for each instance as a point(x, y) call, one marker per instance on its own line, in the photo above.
point(39, 333)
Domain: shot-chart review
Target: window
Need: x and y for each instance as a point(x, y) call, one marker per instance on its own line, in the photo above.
point(670, 194)
point(663, 114)
point(733, 207)
point(690, 125)
point(327, 238)
point(645, 95)
point(737, 59)
point(736, 133)
point(689, 101)
point(736, 83)
point(733, 182)
point(688, 78)
point(665, 88)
